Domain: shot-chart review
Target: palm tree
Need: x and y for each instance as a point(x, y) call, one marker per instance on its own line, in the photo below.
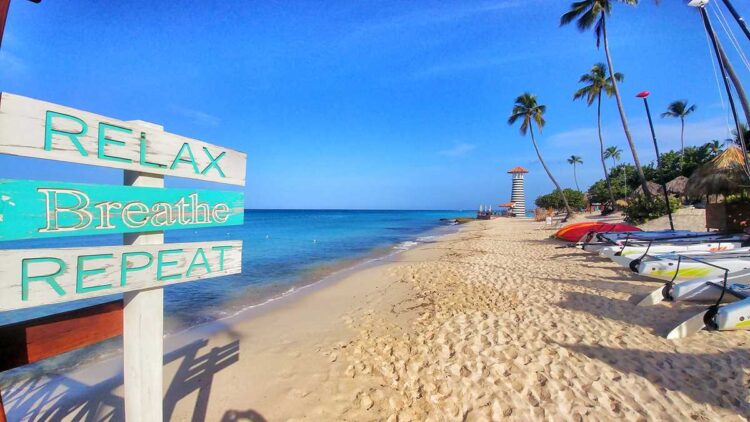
point(588, 13)
point(680, 109)
point(615, 153)
point(575, 159)
point(713, 146)
point(596, 82)
point(531, 112)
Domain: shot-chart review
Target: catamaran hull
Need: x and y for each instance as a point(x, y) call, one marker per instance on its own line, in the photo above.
point(630, 254)
point(698, 291)
point(735, 316)
point(667, 269)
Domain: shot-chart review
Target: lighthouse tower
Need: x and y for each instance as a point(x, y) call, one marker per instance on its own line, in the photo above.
point(517, 195)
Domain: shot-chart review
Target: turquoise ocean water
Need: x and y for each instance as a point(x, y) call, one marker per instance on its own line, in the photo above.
point(283, 251)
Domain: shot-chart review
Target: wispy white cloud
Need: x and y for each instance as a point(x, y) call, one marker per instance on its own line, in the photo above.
point(198, 117)
point(416, 19)
point(11, 64)
point(466, 65)
point(458, 150)
point(667, 132)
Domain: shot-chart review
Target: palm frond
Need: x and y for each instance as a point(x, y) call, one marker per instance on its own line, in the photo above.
point(576, 9)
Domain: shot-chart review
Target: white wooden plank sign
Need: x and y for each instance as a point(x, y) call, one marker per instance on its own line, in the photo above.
point(33, 128)
point(35, 277)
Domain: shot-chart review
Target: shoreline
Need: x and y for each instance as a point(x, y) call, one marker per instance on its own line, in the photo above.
point(491, 322)
point(111, 355)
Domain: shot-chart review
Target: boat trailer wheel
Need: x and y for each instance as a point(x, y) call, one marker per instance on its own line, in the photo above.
point(634, 264)
point(709, 318)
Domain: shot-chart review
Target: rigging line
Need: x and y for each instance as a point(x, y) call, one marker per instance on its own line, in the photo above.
point(718, 84)
point(730, 34)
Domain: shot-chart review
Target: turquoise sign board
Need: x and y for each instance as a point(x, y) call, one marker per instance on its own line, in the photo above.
point(31, 209)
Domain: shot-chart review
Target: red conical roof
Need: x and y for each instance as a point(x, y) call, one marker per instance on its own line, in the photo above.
point(518, 170)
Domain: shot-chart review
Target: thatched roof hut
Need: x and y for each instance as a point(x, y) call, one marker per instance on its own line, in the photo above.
point(723, 175)
point(654, 188)
point(677, 185)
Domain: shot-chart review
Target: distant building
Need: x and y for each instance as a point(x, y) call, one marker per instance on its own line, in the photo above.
point(517, 194)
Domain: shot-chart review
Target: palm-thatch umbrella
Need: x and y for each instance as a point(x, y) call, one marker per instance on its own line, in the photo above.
point(677, 185)
point(724, 175)
point(654, 188)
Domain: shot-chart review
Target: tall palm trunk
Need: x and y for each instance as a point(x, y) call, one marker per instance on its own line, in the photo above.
point(575, 177)
point(682, 135)
point(601, 148)
point(621, 109)
point(735, 81)
point(743, 101)
point(551, 177)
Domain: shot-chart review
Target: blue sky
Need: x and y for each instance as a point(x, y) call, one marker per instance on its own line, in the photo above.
point(339, 104)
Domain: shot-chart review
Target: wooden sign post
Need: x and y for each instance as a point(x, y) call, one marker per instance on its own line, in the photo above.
point(141, 210)
point(143, 329)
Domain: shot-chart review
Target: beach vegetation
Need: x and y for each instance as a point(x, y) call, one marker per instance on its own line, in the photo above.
point(554, 200)
point(674, 164)
point(641, 209)
point(589, 14)
point(530, 113)
point(624, 181)
point(599, 192)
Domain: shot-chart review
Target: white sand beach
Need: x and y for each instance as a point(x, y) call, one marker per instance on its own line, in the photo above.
point(495, 322)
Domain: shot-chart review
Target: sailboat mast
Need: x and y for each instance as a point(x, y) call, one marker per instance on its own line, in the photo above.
point(740, 20)
point(719, 57)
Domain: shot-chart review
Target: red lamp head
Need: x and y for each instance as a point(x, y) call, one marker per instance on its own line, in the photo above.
point(643, 94)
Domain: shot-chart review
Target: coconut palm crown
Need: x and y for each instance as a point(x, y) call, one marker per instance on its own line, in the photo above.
point(596, 82)
point(530, 112)
point(614, 153)
point(680, 109)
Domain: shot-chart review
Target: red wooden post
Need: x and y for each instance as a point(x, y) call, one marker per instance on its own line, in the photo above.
point(2, 410)
point(4, 6)
point(31, 341)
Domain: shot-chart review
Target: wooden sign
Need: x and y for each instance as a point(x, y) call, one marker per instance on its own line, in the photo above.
point(35, 209)
point(35, 277)
point(33, 128)
point(142, 210)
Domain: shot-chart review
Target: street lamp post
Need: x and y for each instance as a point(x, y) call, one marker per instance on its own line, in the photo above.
point(644, 95)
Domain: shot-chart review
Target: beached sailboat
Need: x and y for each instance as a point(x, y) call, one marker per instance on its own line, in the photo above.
point(703, 290)
point(631, 256)
point(677, 267)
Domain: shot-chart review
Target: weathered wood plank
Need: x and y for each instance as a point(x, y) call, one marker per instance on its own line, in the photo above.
point(33, 128)
point(143, 343)
point(36, 209)
point(35, 277)
point(38, 339)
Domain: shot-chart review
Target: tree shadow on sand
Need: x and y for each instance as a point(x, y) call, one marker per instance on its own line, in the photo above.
point(58, 396)
point(613, 284)
point(656, 318)
point(716, 379)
